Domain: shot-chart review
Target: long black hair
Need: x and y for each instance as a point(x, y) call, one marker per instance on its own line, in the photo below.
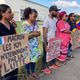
point(28, 11)
point(70, 15)
point(3, 9)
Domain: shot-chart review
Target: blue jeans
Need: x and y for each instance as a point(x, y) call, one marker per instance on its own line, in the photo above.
point(30, 67)
point(69, 49)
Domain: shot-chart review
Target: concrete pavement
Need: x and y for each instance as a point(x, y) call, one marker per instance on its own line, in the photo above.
point(69, 71)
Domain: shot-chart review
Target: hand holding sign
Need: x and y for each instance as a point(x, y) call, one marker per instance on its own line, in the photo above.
point(46, 48)
point(12, 51)
point(0, 64)
point(53, 49)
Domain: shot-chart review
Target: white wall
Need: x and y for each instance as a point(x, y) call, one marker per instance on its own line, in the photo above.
point(15, 6)
point(42, 11)
point(2, 1)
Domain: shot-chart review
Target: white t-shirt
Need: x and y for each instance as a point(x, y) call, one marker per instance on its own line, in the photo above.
point(51, 25)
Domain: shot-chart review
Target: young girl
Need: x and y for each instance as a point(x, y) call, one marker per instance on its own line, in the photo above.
point(30, 26)
point(7, 29)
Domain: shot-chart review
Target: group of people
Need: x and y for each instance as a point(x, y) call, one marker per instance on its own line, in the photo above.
point(57, 24)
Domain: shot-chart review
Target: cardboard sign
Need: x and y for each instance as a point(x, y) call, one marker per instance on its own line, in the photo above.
point(14, 52)
point(54, 49)
point(75, 39)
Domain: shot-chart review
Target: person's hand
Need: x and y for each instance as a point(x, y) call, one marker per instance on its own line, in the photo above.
point(13, 23)
point(36, 33)
point(46, 48)
point(0, 64)
point(67, 31)
point(33, 34)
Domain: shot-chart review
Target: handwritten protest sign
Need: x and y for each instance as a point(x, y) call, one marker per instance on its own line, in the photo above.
point(75, 39)
point(54, 49)
point(14, 52)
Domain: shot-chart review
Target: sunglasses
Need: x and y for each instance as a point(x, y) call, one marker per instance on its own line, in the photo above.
point(66, 15)
point(74, 16)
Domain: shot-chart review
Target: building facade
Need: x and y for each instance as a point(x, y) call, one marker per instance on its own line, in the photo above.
point(18, 7)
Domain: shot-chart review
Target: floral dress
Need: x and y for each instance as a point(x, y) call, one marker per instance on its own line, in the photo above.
point(33, 43)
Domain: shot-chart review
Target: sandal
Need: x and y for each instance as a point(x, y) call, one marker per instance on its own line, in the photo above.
point(35, 75)
point(47, 71)
point(54, 66)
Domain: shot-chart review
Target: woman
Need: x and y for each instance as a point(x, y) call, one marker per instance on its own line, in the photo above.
point(7, 29)
point(30, 27)
point(63, 32)
point(73, 27)
point(72, 22)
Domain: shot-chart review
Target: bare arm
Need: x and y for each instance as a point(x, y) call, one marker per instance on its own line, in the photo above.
point(45, 30)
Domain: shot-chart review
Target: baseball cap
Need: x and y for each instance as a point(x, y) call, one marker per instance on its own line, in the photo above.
point(54, 8)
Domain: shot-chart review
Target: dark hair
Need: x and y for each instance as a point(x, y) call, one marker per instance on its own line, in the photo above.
point(70, 15)
point(61, 14)
point(28, 11)
point(3, 9)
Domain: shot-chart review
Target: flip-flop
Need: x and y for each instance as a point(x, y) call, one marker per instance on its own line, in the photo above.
point(54, 67)
point(47, 71)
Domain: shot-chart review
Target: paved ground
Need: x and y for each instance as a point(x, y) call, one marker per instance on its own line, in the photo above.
point(70, 71)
